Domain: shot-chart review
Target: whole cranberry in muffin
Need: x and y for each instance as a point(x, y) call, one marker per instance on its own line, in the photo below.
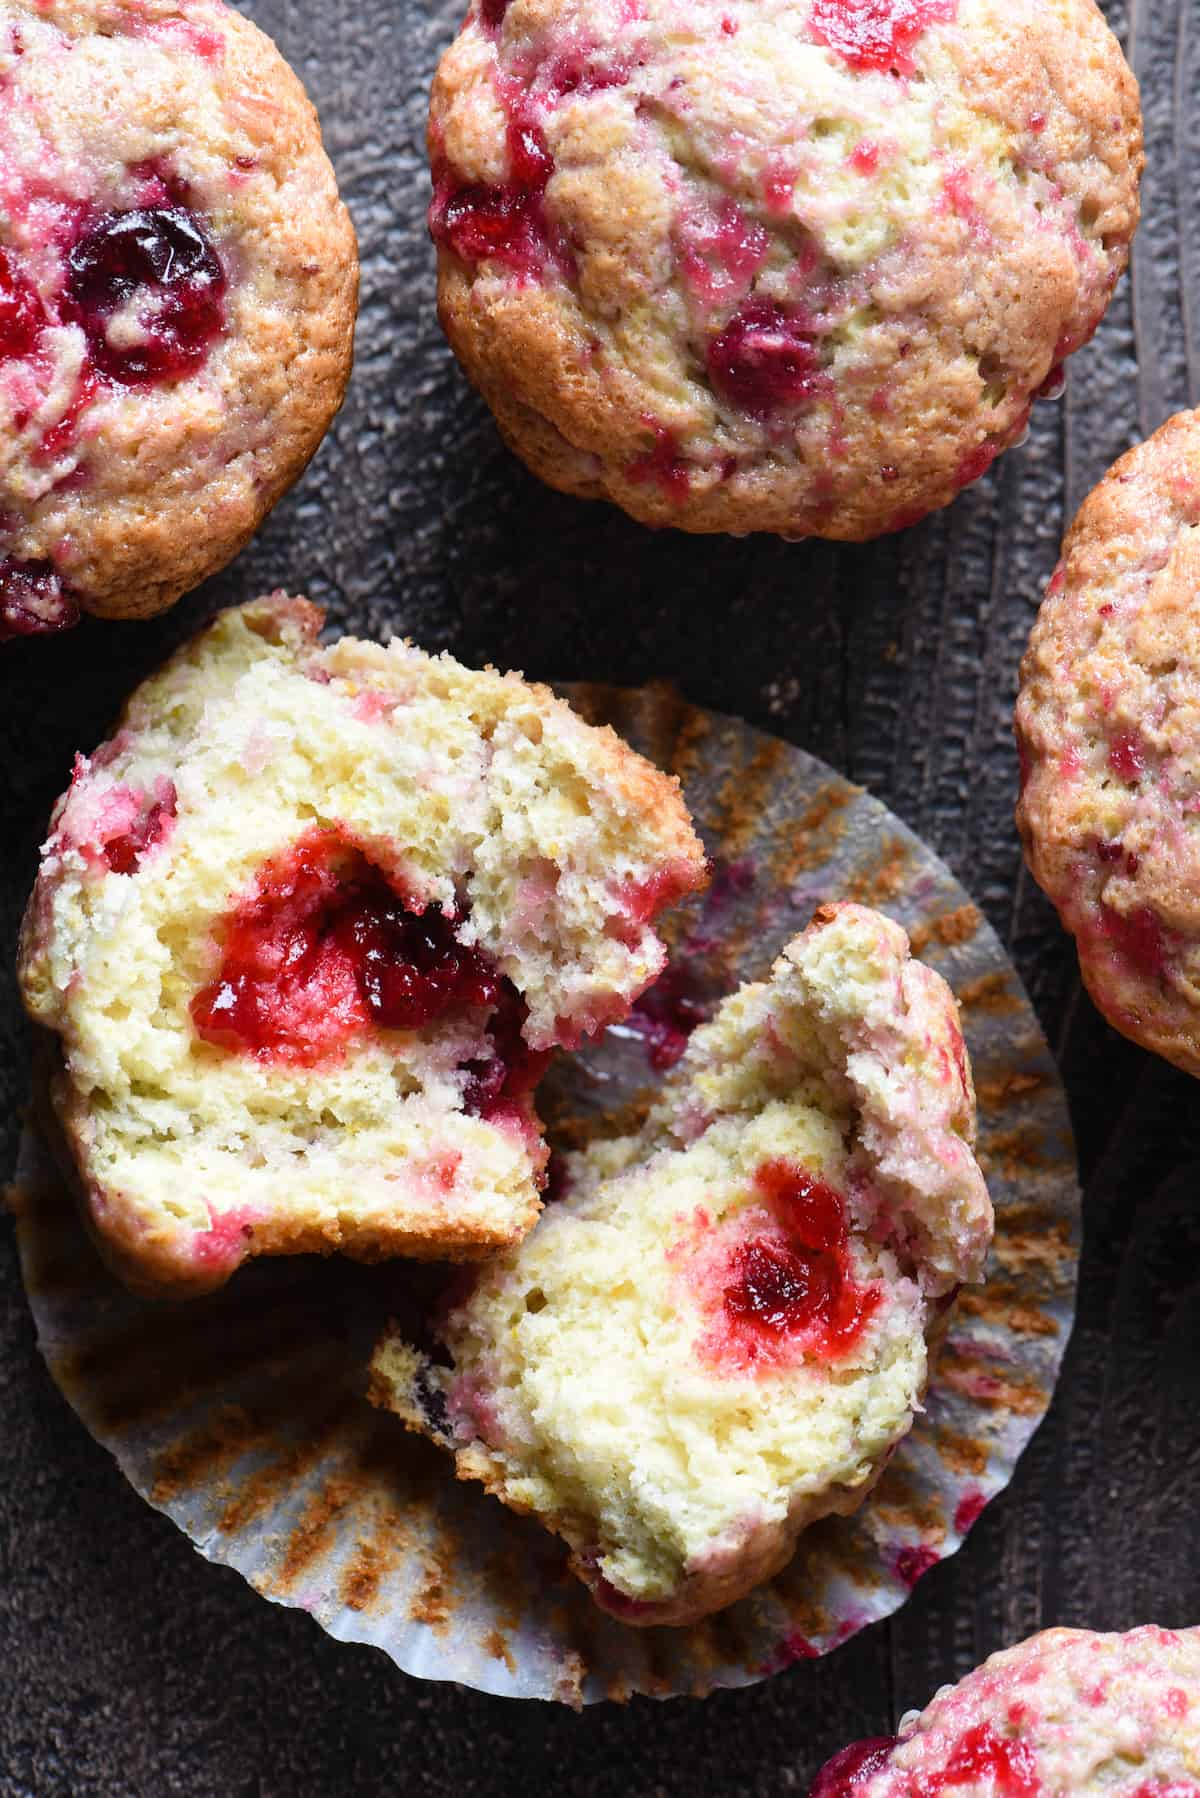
point(801, 268)
point(178, 282)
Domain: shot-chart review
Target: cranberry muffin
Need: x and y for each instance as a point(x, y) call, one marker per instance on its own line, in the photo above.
point(306, 930)
point(1066, 1712)
point(799, 268)
point(178, 282)
point(722, 1330)
point(1108, 726)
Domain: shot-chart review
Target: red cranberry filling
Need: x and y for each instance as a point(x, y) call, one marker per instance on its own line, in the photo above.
point(323, 949)
point(411, 967)
point(777, 1288)
point(21, 316)
point(123, 853)
point(877, 34)
point(791, 1290)
point(852, 1767)
point(506, 223)
point(158, 251)
point(34, 599)
point(513, 1069)
point(764, 360)
point(492, 13)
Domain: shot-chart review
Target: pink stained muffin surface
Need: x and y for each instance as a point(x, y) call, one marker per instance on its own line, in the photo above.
point(801, 271)
point(1068, 1711)
point(178, 283)
point(1107, 725)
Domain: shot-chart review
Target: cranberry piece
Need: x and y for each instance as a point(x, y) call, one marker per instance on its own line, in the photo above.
point(853, 1767)
point(810, 1211)
point(665, 1016)
point(506, 223)
point(765, 360)
point(877, 34)
point(577, 73)
point(778, 1288)
point(513, 1069)
point(154, 252)
point(1126, 757)
point(664, 465)
point(790, 1291)
point(1138, 938)
point(981, 1757)
point(324, 949)
point(34, 599)
point(409, 968)
point(124, 853)
point(492, 13)
point(21, 315)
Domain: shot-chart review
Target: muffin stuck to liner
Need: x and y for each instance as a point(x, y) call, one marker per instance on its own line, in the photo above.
point(1068, 1711)
point(721, 1332)
point(307, 928)
point(800, 268)
point(178, 282)
point(1108, 724)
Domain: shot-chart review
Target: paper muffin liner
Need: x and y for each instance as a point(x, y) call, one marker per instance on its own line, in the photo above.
point(243, 1415)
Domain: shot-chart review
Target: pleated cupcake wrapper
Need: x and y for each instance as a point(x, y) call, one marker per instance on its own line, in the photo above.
point(243, 1415)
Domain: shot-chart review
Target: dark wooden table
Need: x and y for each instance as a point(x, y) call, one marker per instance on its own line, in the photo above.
point(127, 1664)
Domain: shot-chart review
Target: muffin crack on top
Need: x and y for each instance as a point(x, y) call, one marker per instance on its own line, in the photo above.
point(799, 267)
point(178, 283)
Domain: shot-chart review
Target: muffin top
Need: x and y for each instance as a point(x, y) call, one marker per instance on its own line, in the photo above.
point(1067, 1711)
point(1108, 724)
point(798, 267)
point(177, 292)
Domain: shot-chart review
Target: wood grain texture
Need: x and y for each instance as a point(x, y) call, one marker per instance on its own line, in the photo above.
point(127, 1664)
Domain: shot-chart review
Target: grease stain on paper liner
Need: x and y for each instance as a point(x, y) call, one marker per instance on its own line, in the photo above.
point(243, 1417)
